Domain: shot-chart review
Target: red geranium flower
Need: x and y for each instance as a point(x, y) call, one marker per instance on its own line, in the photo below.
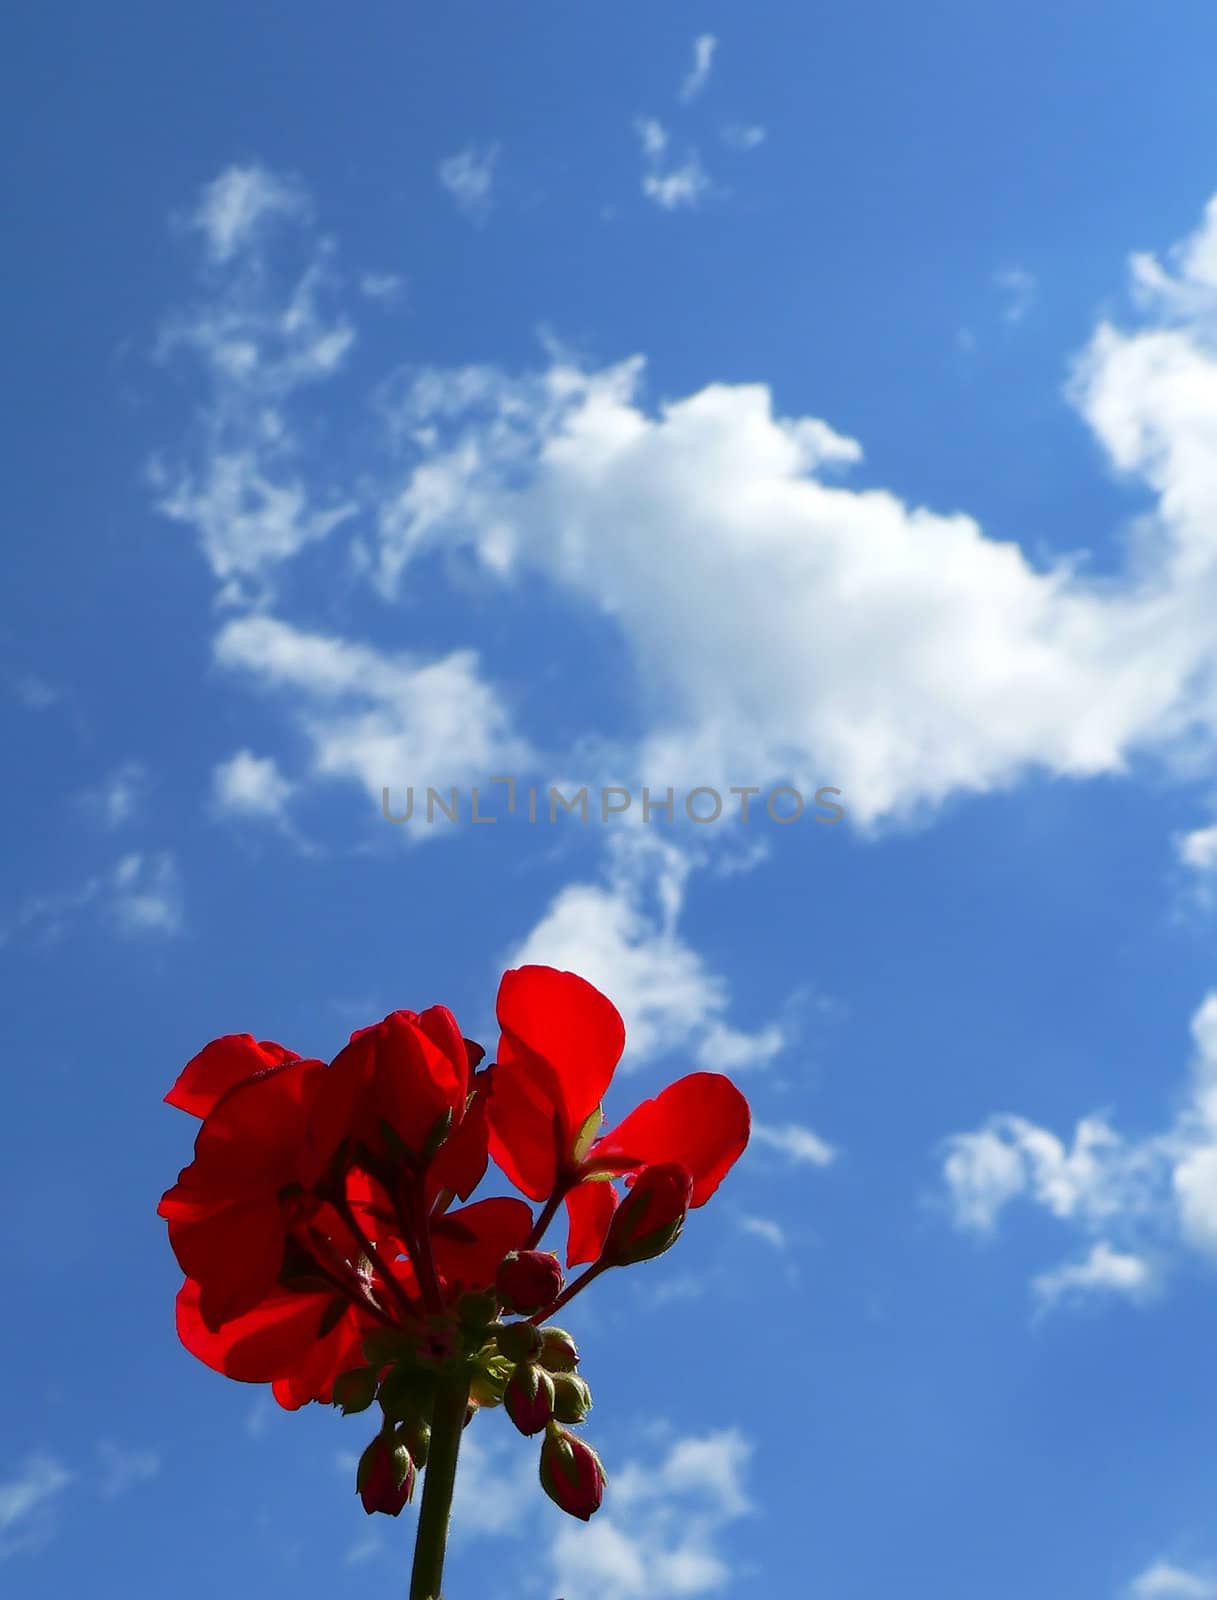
point(561, 1042)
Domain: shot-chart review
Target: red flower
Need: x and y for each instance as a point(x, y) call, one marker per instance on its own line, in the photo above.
point(560, 1044)
point(232, 1209)
point(299, 1342)
point(401, 1087)
point(220, 1066)
point(561, 1041)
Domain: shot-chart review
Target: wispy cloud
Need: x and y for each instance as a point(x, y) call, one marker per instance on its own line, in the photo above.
point(743, 135)
point(1104, 1272)
point(1165, 1581)
point(698, 75)
point(234, 207)
point(799, 1143)
point(27, 1504)
point(468, 177)
point(1018, 288)
point(670, 184)
point(765, 1228)
point(123, 1469)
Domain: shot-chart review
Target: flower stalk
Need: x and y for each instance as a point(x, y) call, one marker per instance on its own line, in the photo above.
point(439, 1480)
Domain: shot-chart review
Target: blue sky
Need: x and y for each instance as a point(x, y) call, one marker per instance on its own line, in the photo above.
point(632, 396)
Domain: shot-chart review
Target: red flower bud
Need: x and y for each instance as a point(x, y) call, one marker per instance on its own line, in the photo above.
point(528, 1398)
point(571, 1473)
point(650, 1217)
point(528, 1280)
point(385, 1479)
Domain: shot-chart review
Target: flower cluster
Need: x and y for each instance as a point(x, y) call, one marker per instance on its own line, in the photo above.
point(332, 1249)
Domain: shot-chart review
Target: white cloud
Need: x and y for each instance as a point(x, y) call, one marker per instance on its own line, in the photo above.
point(653, 137)
point(261, 339)
point(141, 895)
point(659, 1532)
point(669, 184)
point(727, 1049)
point(122, 1469)
point(1103, 1272)
point(147, 893)
point(765, 1228)
point(379, 720)
point(469, 178)
point(1018, 288)
point(1164, 1581)
point(941, 661)
point(800, 1144)
point(384, 287)
point(27, 1504)
point(698, 75)
point(623, 936)
point(1198, 849)
point(233, 208)
point(1191, 290)
point(119, 798)
point(247, 785)
point(496, 1487)
point(1160, 1189)
point(743, 135)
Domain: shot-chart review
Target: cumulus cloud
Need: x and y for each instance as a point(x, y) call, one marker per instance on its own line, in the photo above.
point(698, 74)
point(941, 661)
point(468, 177)
point(1103, 1272)
point(1157, 1192)
point(662, 1536)
point(623, 935)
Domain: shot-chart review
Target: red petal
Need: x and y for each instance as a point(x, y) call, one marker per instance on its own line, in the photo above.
point(219, 1066)
point(590, 1207)
point(560, 1019)
point(235, 1256)
point(702, 1122)
point(461, 1163)
point(267, 1343)
point(526, 1129)
point(255, 1137)
point(470, 1243)
point(438, 1023)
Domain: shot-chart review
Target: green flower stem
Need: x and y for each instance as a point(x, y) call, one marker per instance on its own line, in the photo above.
point(447, 1424)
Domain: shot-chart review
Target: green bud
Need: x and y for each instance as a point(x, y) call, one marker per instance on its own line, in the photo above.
point(355, 1390)
point(559, 1352)
point(415, 1435)
point(519, 1341)
point(477, 1310)
point(572, 1397)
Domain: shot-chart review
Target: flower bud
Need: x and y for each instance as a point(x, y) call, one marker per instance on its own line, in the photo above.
point(649, 1219)
point(385, 1479)
point(529, 1398)
point(519, 1341)
point(572, 1474)
point(559, 1353)
point(572, 1397)
point(355, 1390)
point(528, 1280)
point(415, 1435)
